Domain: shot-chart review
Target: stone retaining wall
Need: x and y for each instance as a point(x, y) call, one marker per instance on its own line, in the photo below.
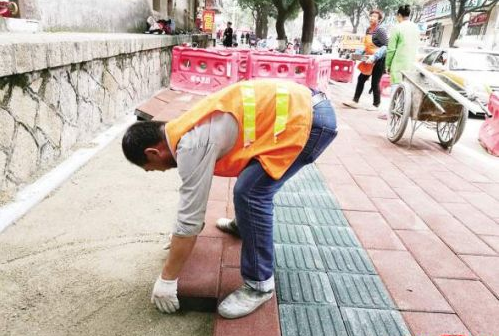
point(45, 113)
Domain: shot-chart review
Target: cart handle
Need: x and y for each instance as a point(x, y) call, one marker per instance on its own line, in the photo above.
point(445, 87)
point(432, 99)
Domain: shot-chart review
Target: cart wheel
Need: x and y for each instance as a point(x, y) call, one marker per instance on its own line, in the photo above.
point(399, 112)
point(450, 132)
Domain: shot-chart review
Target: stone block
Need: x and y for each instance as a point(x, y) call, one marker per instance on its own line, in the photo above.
point(39, 55)
point(23, 162)
point(293, 234)
point(7, 65)
point(23, 107)
point(54, 54)
point(36, 83)
point(435, 324)
point(67, 52)
point(48, 154)
point(23, 57)
point(288, 215)
point(50, 123)
point(52, 93)
point(7, 127)
point(326, 217)
point(68, 137)
point(68, 105)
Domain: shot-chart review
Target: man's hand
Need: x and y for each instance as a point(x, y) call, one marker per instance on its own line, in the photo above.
point(165, 295)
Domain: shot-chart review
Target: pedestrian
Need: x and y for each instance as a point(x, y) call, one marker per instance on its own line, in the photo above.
point(247, 38)
point(289, 48)
point(402, 48)
point(228, 36)
point(262, 132)
point(375, 42)
point(242, 38)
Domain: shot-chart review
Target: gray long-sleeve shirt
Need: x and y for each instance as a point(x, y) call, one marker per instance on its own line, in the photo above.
point(197, 152)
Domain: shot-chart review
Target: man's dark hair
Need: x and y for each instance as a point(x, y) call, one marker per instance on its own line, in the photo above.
point(378, 12)
point(404, 10)
point(138, 137)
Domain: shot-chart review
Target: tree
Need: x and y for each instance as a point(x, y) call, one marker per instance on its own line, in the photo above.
point(285, 9)
point(353, 9)
point(460, 8)
point(310, 11)
point(260, 10)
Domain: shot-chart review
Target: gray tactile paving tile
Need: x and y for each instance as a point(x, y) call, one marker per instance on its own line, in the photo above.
point(326, 217)
point(321, 264)
point(311, 320)
point(304, 287)
point(323, 200)
point(293, 234)
point(360, 291)
point(374, 322)
point(288, 215)
point(346, 260)
point(298, 257)
point(300, 185)
point(287, 199)
point(335, 236)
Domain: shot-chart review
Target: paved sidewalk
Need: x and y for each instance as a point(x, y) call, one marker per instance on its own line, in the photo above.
point(84, 260)
point(428, 219)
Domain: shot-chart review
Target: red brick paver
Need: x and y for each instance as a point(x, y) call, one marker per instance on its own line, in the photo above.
point(435, 324)
point(373, 231)
point(473, 303)
point(486, 268)
point(409, 286)
point(425, 246)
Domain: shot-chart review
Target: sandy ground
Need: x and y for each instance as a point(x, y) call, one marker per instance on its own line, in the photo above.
point(84, 260)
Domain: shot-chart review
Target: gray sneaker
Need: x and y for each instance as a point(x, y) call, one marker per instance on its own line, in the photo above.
point(242, 302)
point(228, 225)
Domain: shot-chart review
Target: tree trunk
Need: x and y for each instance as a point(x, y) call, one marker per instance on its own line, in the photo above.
point(280, 30)
point(309, 8)
point(455, 33)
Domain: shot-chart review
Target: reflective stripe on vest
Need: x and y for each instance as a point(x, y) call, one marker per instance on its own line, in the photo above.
point(282, 99)
point(248, 96)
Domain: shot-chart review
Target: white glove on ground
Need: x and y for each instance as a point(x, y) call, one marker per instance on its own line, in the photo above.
point(165, 295)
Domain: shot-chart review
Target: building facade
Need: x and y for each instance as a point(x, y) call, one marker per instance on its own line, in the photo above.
point(480, 30)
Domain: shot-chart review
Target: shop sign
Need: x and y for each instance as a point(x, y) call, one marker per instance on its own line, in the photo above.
point(208, 20)
point(442, 8)
point(478, 20)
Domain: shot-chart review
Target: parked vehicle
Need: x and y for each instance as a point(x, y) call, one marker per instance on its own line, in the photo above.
point(474, 73)
point(348, 44)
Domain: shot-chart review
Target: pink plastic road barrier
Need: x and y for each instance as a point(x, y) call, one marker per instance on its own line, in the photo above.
point(320, 73)
point(342, 70)
point(385, 85)
point(202, 71)
point(276, 65)
point(488, 133)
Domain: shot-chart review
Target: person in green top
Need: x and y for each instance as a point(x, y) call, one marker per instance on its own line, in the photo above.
point(402, 48)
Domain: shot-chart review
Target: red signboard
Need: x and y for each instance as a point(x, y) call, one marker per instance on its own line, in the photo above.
point(478, 20)
point(208, 20)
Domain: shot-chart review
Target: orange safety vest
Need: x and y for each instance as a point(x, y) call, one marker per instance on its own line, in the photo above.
point(274, 134)
point(370, 49)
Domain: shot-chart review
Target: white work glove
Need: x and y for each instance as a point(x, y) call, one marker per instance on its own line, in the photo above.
point(165, 295)
point(370, 60)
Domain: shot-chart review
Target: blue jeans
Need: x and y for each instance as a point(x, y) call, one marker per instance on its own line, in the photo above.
point(253, 201)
